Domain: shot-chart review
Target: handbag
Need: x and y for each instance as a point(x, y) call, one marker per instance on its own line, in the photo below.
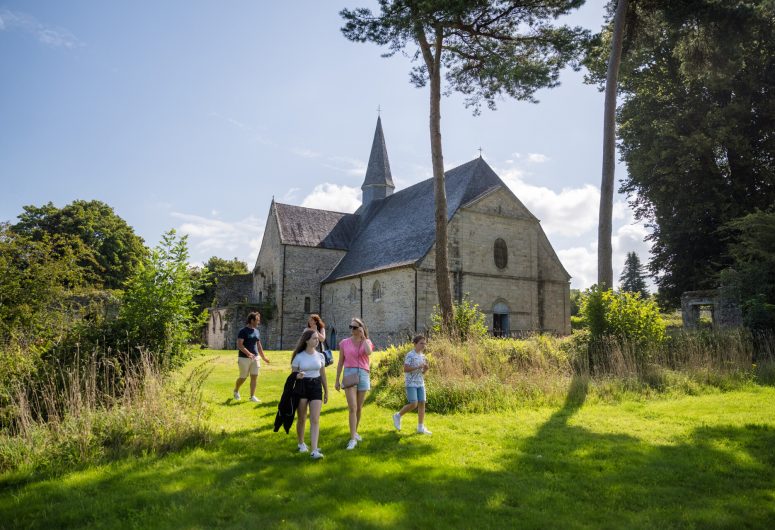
point(329, 357)
point(350, 380)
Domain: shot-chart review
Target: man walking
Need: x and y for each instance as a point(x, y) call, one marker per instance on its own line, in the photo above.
point(248, 350)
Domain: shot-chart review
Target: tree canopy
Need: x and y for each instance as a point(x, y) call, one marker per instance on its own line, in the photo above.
point(633, 278)
point(114, 250)
point(697, 128)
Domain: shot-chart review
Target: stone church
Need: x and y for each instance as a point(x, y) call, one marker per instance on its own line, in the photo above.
point(378, 263)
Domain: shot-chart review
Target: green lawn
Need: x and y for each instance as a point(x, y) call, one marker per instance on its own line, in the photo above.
point(695, 462)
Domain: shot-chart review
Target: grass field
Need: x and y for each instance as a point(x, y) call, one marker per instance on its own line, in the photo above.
point(694, 462)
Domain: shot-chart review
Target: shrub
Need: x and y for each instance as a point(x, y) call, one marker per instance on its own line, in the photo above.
point(467, 321)
point(624, 316)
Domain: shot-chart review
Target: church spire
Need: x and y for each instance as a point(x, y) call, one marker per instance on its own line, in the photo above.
point(378, 183)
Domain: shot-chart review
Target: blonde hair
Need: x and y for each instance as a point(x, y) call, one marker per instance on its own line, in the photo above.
point(363, 327)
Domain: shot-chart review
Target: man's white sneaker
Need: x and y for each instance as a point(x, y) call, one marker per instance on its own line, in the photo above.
point(254, 399)
point(303, 447)
point(397, 421)
point(351, 444)
point(422, 430)
point(358, 437)
point(236, 395)
point(316, 454)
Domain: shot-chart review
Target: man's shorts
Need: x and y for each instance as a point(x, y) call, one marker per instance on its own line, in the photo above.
point(415, 394)
point(363, 377)
point(309, 388)
point(247, 366)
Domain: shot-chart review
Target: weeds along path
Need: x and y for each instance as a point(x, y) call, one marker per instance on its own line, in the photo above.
point(687, 462)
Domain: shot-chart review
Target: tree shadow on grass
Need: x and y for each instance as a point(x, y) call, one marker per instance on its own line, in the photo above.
point(561, 475)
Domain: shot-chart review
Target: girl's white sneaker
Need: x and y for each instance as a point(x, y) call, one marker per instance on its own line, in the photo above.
point(351, 444)
point(422, 430)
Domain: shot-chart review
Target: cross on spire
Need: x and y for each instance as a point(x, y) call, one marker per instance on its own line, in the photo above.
point(379, 109)
point(480, 151)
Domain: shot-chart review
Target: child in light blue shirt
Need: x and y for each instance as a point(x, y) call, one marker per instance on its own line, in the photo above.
point(415, 365)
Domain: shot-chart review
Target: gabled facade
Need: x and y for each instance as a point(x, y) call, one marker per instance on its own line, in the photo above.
point(378, 264)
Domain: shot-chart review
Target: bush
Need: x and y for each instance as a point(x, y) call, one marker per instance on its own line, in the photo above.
point(624, 316)
point(467, 321)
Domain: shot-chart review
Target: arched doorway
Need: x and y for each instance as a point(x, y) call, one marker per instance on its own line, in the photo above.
point(500, 320)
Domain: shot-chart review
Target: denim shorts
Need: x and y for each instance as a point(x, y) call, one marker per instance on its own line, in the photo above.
point(363, 377)
point(415, 393)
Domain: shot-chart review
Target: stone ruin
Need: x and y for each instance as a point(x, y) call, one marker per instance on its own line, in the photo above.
point(723, 305)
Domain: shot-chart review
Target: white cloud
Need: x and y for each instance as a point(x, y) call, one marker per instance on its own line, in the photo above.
point(581, 261)
point(352, 166)
point(304, 152)
point(48, 35)
point(537, 158)
point(225, 239)
point(333, 197)
point(290, 195)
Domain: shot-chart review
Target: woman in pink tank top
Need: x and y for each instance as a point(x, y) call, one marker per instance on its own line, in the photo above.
point(354, 354)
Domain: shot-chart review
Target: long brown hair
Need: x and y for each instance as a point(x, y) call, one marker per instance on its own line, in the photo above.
point(363, 327)
point(302, 344)
point(318, 321)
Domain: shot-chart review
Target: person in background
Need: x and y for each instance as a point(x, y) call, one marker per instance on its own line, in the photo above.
point(315, 323)
point(354, 355)
point(311, 389)
point(415, 365)
point(248, 350)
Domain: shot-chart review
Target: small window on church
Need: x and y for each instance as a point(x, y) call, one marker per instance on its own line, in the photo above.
point(260, 296)
point(501, 254)
point(353, 293)
point(376, 291)
point(307, 304)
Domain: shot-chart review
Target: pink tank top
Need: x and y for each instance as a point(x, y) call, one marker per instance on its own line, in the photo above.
point(354, 358)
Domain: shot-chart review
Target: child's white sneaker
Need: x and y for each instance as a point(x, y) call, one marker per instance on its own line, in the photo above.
point(316, 454)
point(397, 421)
point(351, 444)
point(303, 447)
point(422, 430)
point(254, 399)
point(236, 395)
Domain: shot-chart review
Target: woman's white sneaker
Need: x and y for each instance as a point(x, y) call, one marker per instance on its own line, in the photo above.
point(422, 430)
point(358, 437)
point(316, 454)
point(303, 447)
point(397, 421)
point(351, 444)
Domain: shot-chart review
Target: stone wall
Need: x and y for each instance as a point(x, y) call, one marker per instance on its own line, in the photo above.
point(224, 324)
point(533, 284)
point(236, 289)
point(267, 281)
point(305, 269)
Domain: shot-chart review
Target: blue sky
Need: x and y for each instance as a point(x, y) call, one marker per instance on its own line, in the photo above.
point(193, 114)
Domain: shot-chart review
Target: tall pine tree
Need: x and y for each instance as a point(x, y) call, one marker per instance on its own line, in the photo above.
point(633, 278)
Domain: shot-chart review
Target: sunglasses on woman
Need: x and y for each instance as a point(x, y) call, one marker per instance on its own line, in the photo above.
point(354, 327)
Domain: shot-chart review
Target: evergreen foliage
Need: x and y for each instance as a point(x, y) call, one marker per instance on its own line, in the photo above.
point(210, 273)
point(697, 128)
point(753, 274)
point(633, 278)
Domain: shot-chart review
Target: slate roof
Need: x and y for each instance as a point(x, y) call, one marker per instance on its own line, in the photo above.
point(400, 229)
point(378, 170)
point(310, 227)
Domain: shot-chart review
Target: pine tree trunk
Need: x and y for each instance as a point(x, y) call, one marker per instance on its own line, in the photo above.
point(440, 194)
point(605, 224)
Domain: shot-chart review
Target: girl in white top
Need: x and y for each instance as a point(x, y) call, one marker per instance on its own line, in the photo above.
point(310, 366)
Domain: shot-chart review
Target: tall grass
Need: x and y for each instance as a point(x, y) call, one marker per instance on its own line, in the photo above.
point(490, 373)
point(67, 416)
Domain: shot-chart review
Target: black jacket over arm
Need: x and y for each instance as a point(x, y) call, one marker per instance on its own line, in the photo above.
point(286, 409)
